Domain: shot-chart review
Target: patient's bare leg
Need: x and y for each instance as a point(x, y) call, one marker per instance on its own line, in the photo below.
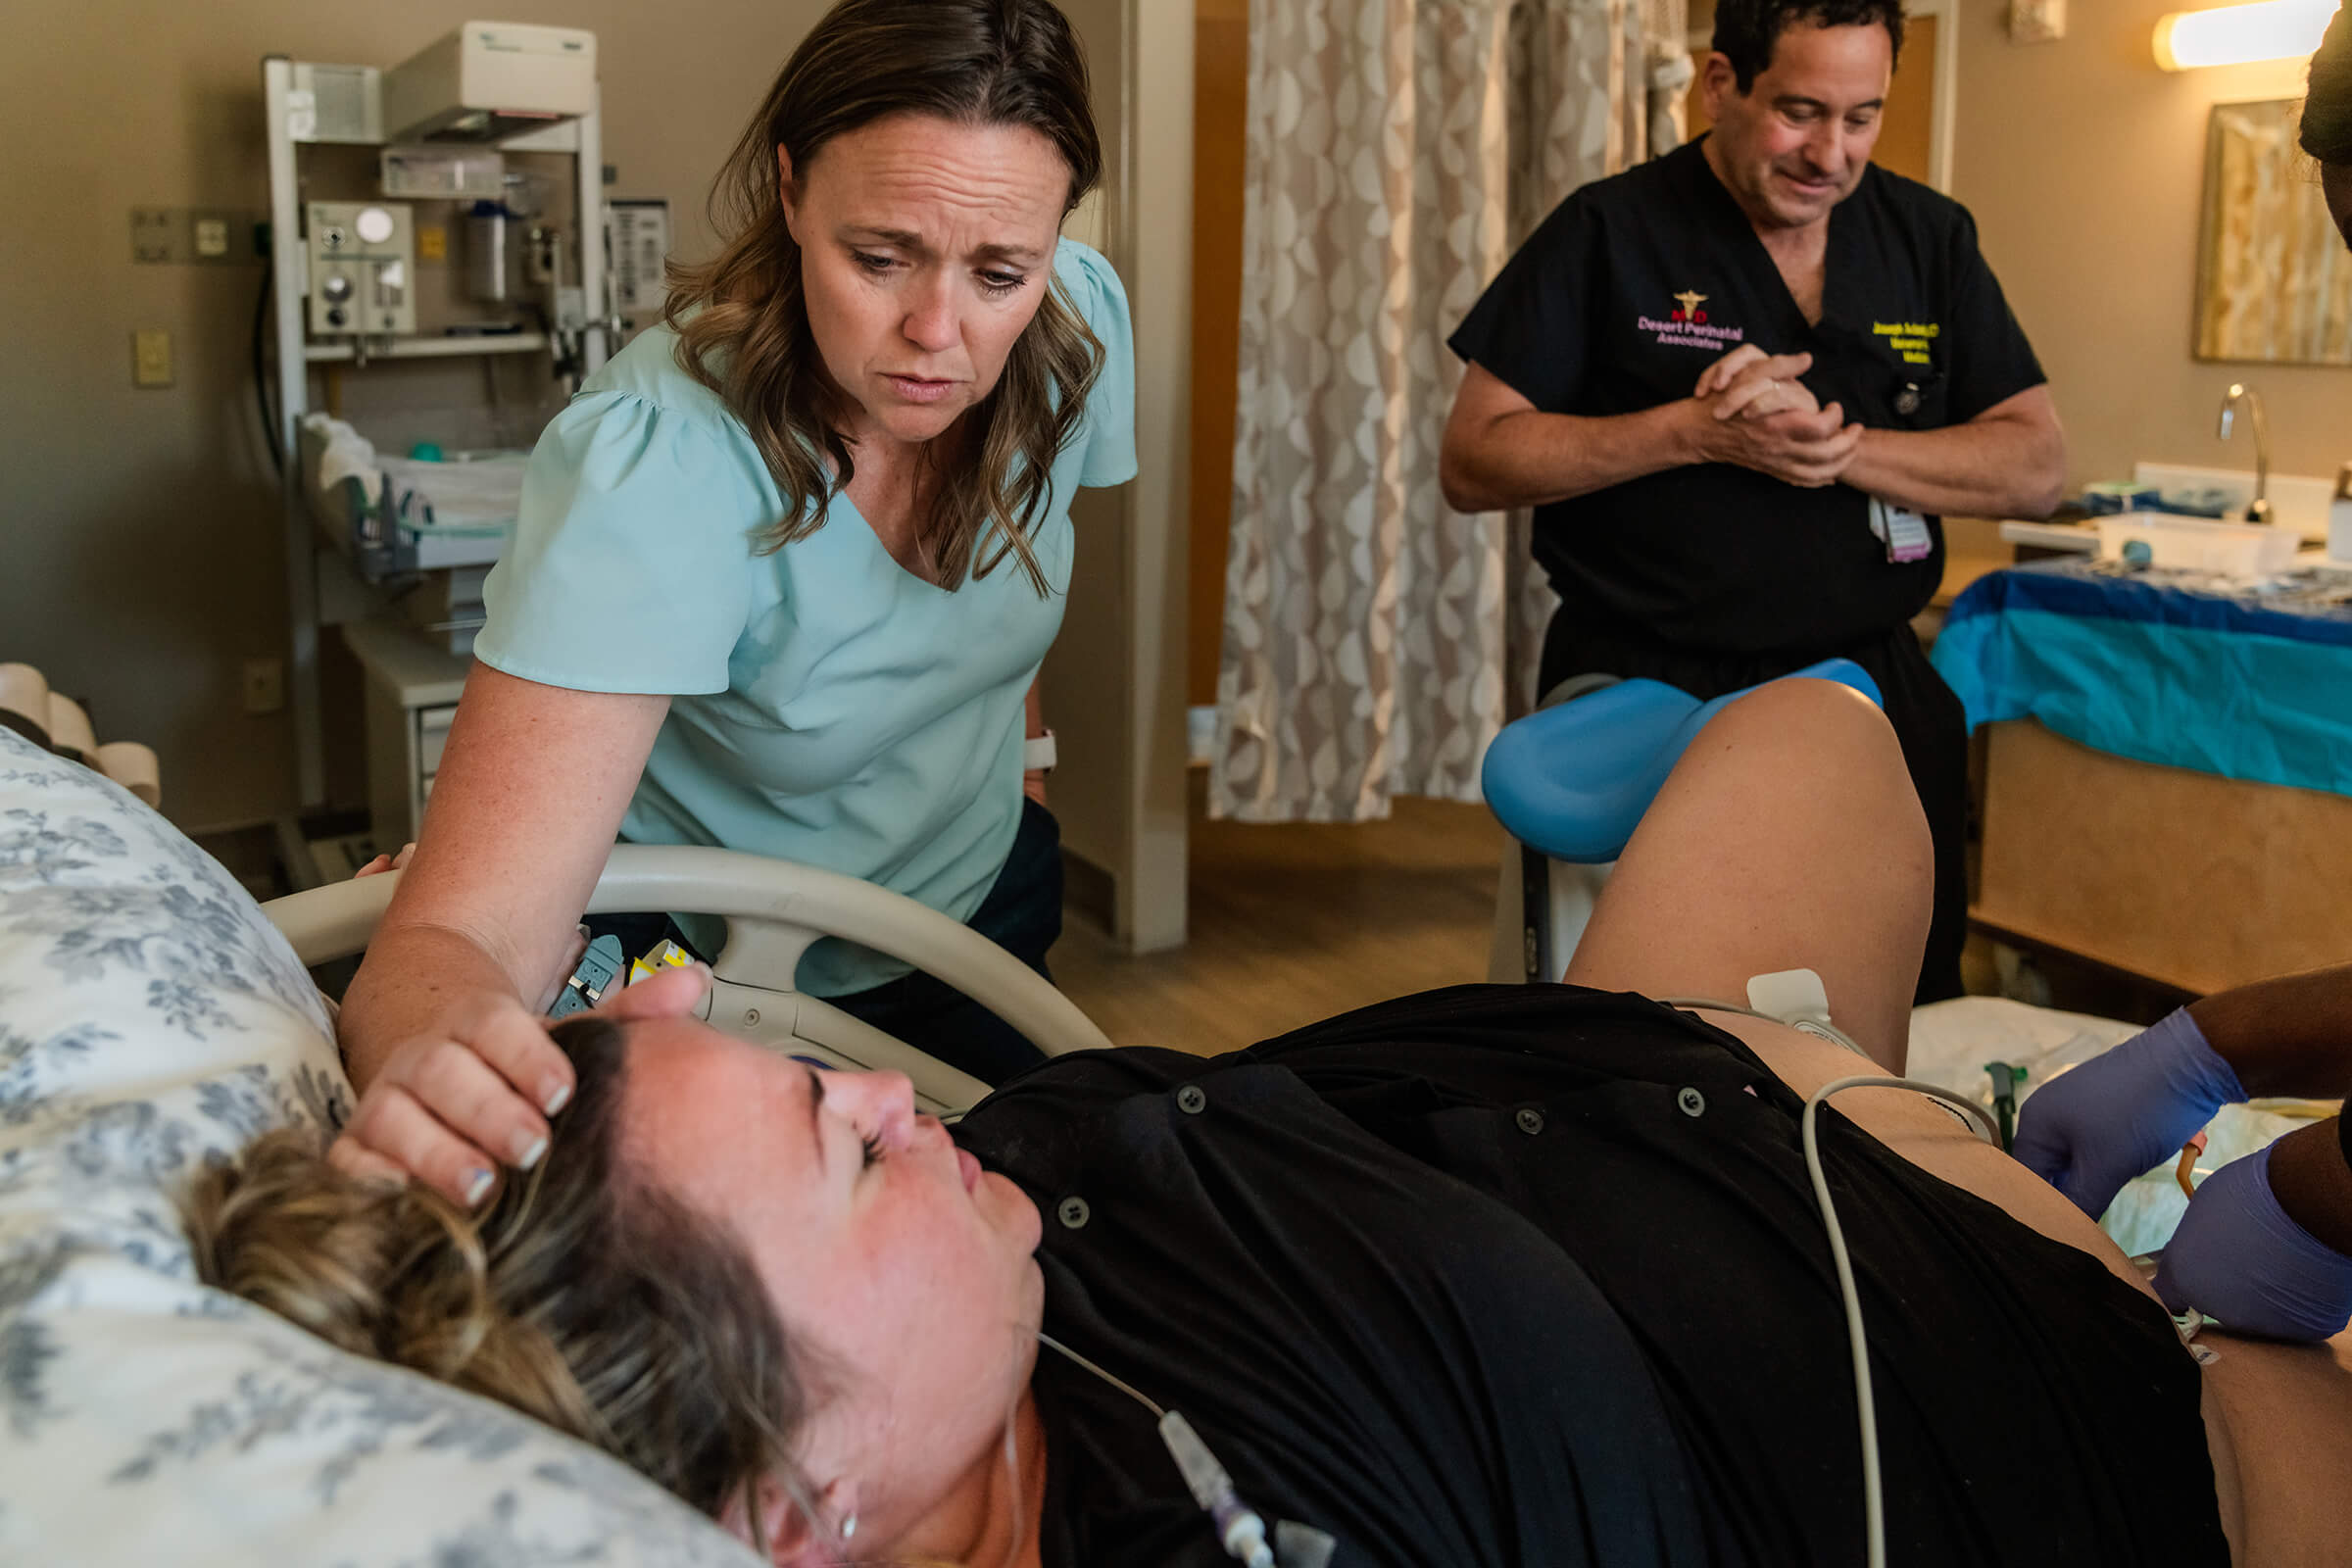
point(1787, 837)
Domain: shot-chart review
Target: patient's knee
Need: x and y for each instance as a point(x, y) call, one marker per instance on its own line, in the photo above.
point(1821, 713)
point(1818, 737)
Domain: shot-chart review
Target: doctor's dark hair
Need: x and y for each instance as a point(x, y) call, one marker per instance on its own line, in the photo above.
point(742, 320)
point(582, 1296)
point(1747, 30)
point(2327, 132)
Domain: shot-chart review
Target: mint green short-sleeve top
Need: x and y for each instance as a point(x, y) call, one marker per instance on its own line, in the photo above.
point(826, 705)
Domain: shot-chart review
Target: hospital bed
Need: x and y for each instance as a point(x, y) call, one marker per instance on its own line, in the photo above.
point(773, 911)
point(153, 1019)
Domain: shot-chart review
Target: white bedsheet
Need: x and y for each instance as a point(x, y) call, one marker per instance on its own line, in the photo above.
point(152, 1019)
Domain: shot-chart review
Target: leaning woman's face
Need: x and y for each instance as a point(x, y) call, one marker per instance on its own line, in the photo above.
point(926, 247)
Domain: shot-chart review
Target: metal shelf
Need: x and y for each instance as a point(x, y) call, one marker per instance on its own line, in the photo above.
point(430, 348)
point(311, 561)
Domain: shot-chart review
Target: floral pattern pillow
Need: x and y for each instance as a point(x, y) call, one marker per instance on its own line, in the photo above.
point(152, 1019)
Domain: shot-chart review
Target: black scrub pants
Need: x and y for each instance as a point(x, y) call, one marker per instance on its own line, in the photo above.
point(1927, 716)
point(1022, 915)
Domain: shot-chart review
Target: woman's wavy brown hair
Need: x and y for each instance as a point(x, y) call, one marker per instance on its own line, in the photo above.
point(743, 324)
point(583, 1296)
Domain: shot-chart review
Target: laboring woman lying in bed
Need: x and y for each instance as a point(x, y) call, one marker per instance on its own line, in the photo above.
point(1490, 1275)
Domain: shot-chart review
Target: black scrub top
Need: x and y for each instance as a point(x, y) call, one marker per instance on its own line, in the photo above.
point(1637, 284)
point(1531, 1275)
point(1374, 1350)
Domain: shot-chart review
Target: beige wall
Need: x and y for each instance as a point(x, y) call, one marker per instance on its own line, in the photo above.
point(1159, 109)
point(1115, 682)
point(1086, 696)
point(141, 527)
point(2084, 165)
point(1220, 116)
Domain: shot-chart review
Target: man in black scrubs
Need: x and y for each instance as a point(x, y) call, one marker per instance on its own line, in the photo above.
point(1741, 384)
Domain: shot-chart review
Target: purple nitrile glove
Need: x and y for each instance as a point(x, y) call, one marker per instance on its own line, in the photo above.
point(2243, 1261)
point(2097, 1125)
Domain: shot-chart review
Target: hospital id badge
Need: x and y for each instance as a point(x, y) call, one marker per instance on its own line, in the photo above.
point(1903, 532)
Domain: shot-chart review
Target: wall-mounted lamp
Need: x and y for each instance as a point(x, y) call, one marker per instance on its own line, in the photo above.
point(2231, 35)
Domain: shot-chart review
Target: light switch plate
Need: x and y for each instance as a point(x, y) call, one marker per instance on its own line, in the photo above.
point(207, 235)
point(151, 234)
point(151, 356)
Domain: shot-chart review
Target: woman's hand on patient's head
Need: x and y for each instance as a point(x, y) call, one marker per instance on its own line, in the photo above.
point(452, 1107)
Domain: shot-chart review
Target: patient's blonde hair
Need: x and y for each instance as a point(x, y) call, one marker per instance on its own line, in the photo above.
point(583, 1296)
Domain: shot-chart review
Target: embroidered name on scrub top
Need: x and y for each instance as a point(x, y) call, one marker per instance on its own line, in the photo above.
point(1911, 339)
point(1633, 285)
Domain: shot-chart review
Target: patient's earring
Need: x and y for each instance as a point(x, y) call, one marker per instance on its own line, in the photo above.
point(849, 1527)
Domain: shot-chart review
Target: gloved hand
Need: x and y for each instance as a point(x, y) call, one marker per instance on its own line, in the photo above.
point(2097, 1125)
point(2242, 1259)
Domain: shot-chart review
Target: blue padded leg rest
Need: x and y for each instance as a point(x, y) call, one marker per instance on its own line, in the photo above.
point(1572, 781)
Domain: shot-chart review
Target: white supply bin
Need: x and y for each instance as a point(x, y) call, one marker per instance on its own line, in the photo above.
point(2202, 544)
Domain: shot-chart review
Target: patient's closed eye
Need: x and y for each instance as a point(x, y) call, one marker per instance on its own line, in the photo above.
point(873, 1149)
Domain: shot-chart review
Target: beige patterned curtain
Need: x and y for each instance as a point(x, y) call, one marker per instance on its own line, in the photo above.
point(1398, 150)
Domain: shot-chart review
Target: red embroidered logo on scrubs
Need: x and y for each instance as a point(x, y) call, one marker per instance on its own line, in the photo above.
point(1687, 326)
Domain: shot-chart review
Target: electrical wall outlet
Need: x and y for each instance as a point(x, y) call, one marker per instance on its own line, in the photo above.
point(151, 234)
point(265, 685)
point(151, 356)
point(210, 235)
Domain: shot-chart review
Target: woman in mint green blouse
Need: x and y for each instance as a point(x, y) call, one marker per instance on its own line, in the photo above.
point(784, 575)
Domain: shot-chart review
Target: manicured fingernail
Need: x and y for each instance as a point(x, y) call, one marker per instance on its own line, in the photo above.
point(529, 1151)
point(477, 1187)
point(553, 1097)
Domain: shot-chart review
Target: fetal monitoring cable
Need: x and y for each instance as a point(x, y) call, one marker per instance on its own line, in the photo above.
point(1874, 1500)
point(1874, 1505)
point(1239, 1527)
